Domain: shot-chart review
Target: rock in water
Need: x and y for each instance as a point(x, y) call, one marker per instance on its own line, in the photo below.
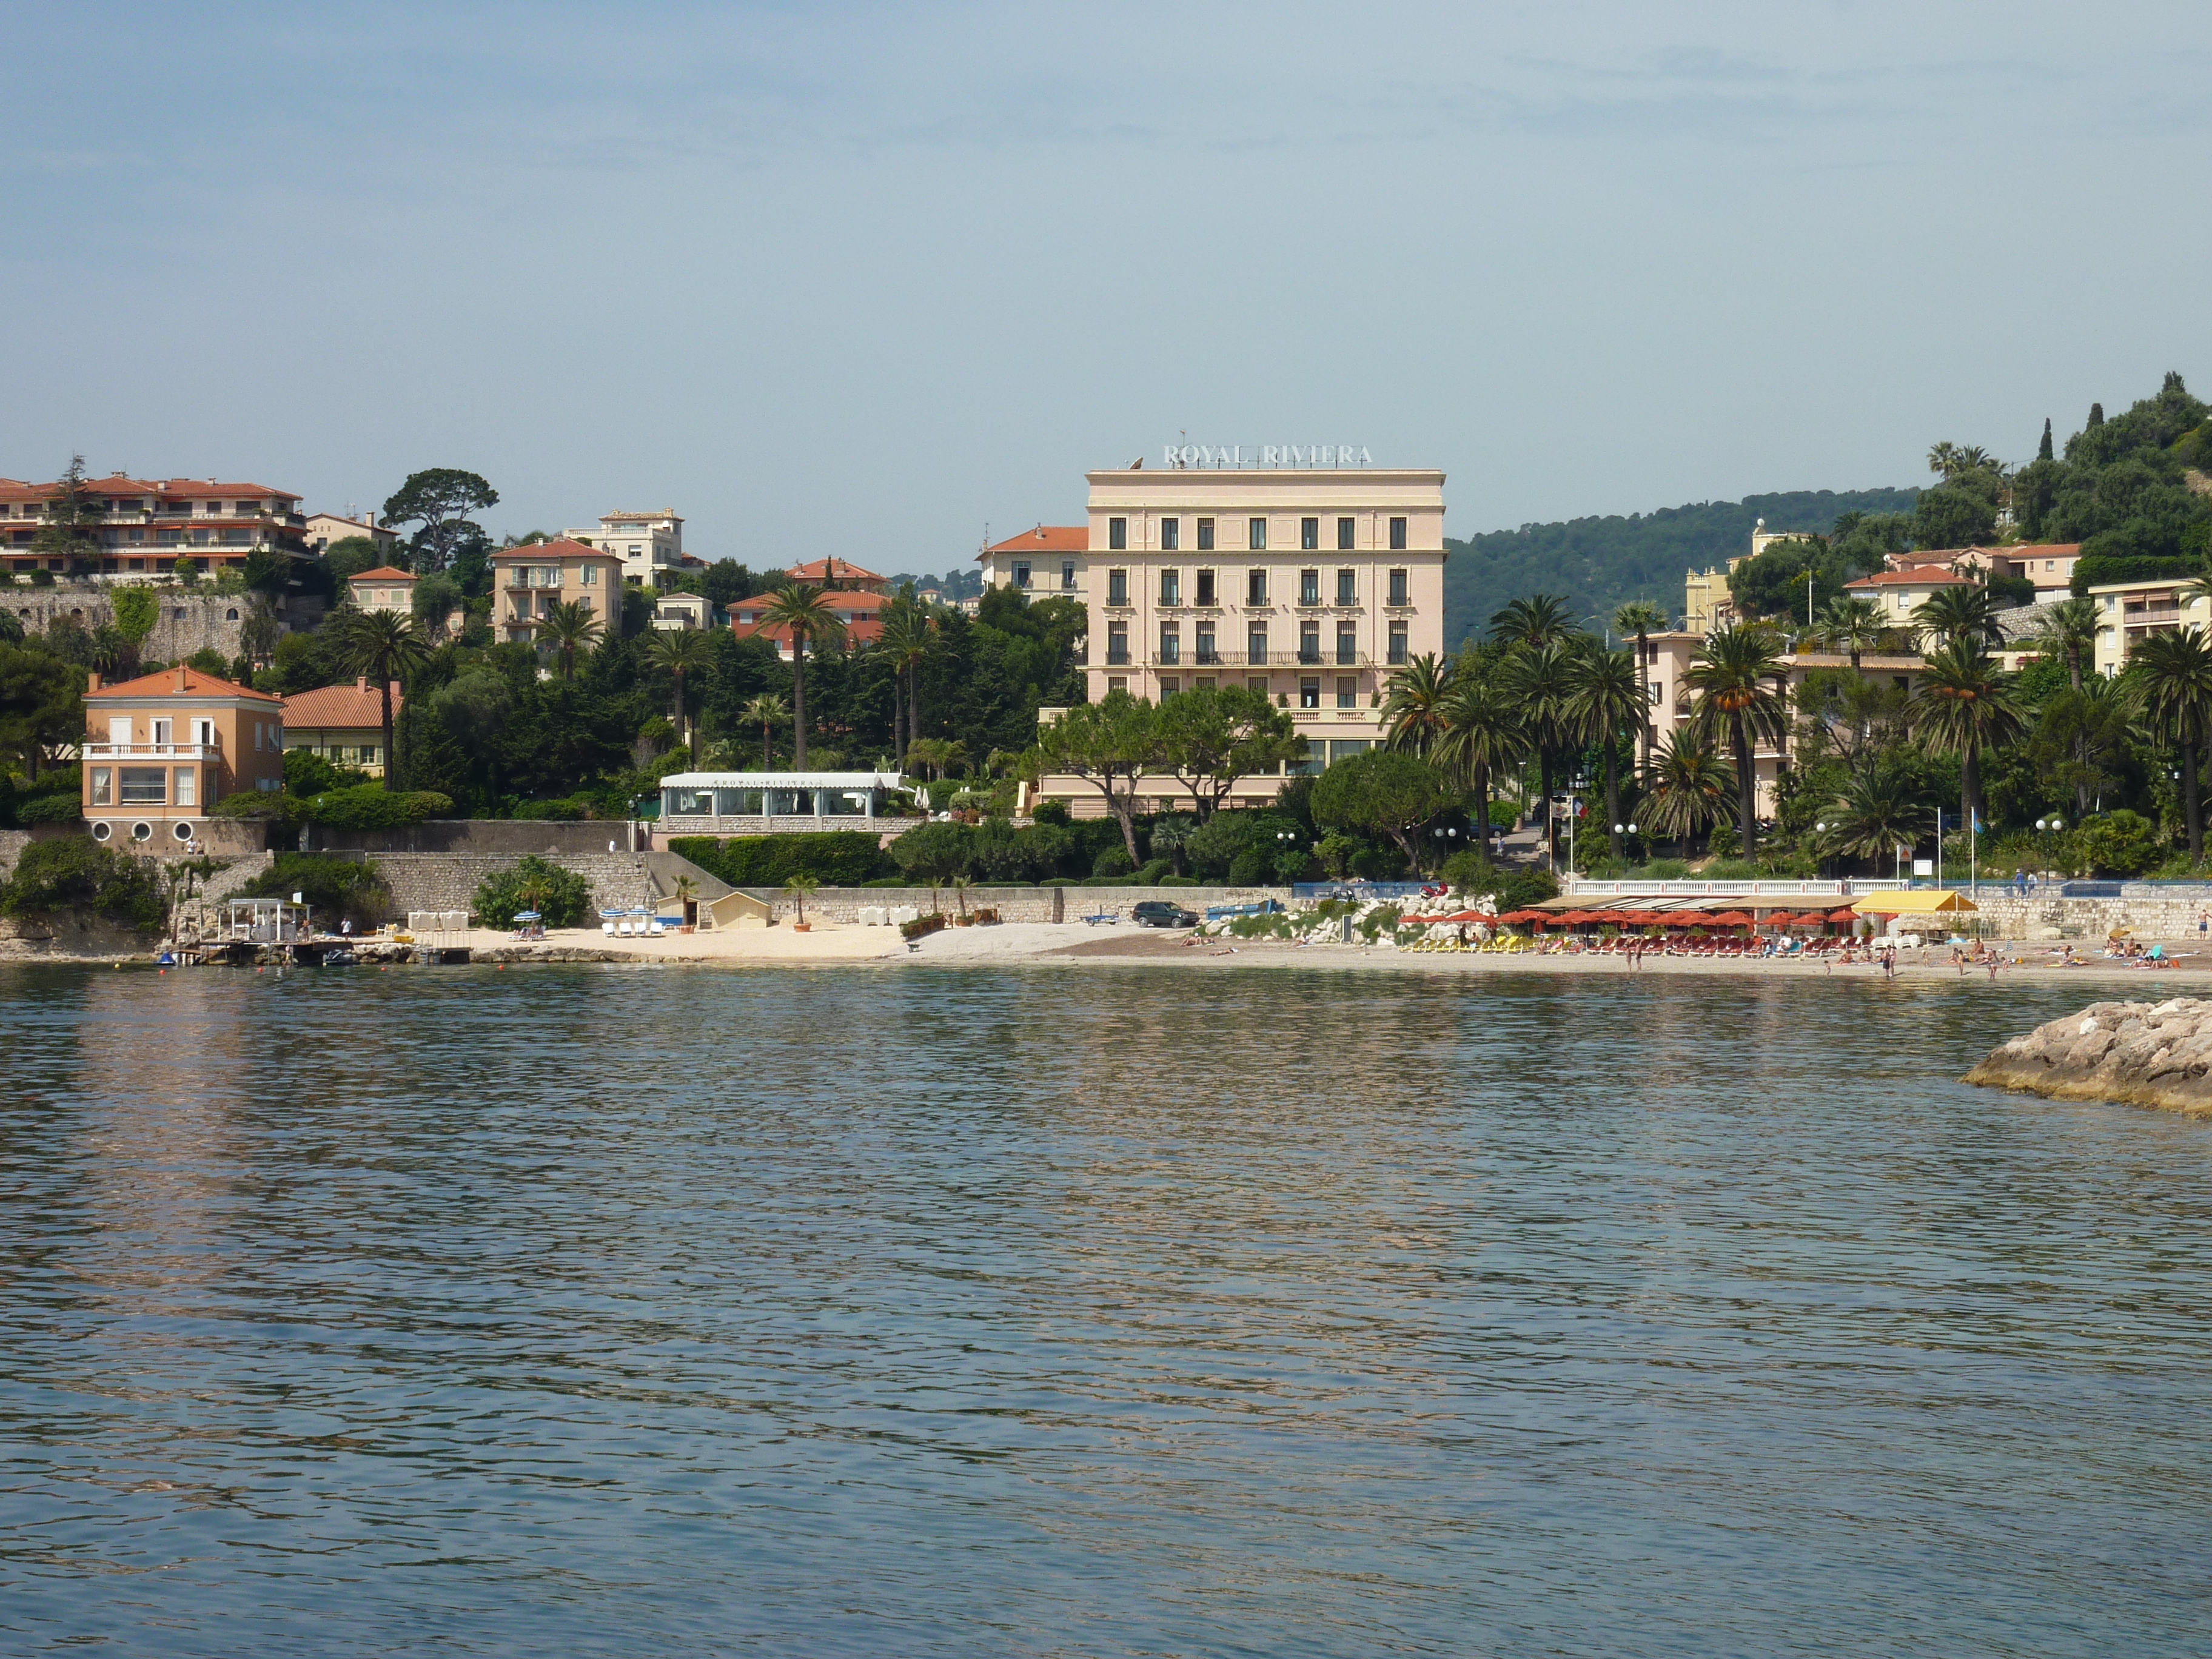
point(2146, 1054)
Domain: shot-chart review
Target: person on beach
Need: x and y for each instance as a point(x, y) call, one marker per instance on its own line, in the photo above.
point(1889, 962)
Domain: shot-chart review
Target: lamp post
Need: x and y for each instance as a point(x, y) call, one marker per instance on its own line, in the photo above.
point(1821, 829)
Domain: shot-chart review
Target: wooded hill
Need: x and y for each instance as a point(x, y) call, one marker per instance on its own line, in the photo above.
point(1598, 563)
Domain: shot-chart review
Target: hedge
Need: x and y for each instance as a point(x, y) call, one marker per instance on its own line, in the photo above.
point(837, 858)
point(2092, 569)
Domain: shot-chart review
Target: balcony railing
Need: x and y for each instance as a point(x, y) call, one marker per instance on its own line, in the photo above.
point(191, 751)
point(1267, 659)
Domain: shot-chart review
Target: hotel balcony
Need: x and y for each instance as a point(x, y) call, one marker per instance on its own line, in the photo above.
point(1361, 658)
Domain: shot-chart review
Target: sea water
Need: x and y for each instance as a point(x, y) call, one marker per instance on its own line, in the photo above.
point(1098, 1310)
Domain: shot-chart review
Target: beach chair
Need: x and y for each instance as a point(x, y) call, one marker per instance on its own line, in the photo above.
point(608, 928)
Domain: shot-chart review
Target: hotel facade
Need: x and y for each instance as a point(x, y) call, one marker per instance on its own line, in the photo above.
point(1310, 585)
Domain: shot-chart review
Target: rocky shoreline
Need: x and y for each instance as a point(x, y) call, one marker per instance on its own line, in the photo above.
point(2143, 1053)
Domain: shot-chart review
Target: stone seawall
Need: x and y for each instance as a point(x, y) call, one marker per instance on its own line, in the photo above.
point(2143, 1054)
point(447, 881)
point(2153, 914)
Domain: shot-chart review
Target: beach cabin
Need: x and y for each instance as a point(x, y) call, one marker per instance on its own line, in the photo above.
point(763, 802)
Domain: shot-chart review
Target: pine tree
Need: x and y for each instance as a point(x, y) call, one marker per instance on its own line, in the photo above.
point(2042, 449)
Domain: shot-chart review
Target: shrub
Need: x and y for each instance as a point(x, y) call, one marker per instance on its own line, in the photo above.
point(2119, 843)
point(1114, 861)
point(839, 858)
point(307, 774)
point(1154, 870)
point(1730, 869)
point(559, 894)
point(1248, 869)
point(1179, 881)
point(549, 812)
point(1053, 813)
point(81, 876)
point(338, 888)
point(372, 806)
point(921, 927)
point(933, 852)
point(2094, 567)
point(49, 808)
point(1664, 870)
point(255, 805)
point(1465, 869)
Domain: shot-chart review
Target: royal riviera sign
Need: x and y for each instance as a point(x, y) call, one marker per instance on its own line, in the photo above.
point(1268, 455)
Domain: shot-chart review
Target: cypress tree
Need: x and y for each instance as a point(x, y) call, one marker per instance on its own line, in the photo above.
point(2042, 449)
point(2096, 415)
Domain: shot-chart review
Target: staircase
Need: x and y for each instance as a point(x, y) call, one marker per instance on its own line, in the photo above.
point(662, 870)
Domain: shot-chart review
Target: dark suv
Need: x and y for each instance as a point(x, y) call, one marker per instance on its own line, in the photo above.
point(1158, 913)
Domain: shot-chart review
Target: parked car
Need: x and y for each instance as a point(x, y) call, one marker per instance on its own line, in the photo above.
point(1158, 913)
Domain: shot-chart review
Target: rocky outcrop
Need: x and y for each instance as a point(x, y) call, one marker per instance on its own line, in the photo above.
point(2146, 1053)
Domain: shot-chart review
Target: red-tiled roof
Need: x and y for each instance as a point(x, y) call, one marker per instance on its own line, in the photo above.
point(195, 684)
point(2038, 550)
point(1045, 538)
point(383, 573)
point(1922, 577)
point(819, 571)
point(117, 484)
point(340, 707)
point(859, 603)
point(865, 630)
point(561, 548)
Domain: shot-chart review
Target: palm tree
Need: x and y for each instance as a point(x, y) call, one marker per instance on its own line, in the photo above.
point(1853, 622)
point(808, 614)
point(686, 893)
point(1414, 711)
point(1543, 620)
point(798, 889)
point(908, 638)
point(767, 711)
point(2171, 675)
point(681, 651)
point(1605, 693)
point(1640, 619)
point(1876, 813)
point(1965, 613)
point(1735, 678)
point(2077, 731)
point(1539, 679)
point(568, 626)
point(2069, 631)
point(1965, 704)
point(1483, 733)
point(386, 646)
point(1689, 787)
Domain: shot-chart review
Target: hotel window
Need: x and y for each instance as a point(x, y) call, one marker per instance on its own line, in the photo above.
point(1206, 652)
point(1255, 535)
point(100, 785)
point(1206, 594)
point(188, 793)
point(1171, 642)
point(1022, 574)
point(1256, 684)
point(1170, 587)
point(1118, 644)
point(1205, 535)
point(1398, 595)
point(1308, 587)
point(1309, 642)
point(1169, 684)
point(1397, 643)
point(1255, 641)
point(1117, 534)
point(1170, 535)
point(1067, 575)
point(1348, 587)
point(1344, 542)
point(1309, 534)
point(1118, 683)
point(144, 786)
point(1309, 692)
point(1255, 587)
point(1348, 645)
point(1347, 691)
point(1117, 588)
point(1397, 534)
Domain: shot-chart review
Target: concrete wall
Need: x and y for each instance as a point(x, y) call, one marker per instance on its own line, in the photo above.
point(1015, 903)
point(488, 837)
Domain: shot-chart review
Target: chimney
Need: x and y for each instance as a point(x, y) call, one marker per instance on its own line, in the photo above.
point(94, 684)
point(183, 683)
point(360, 683)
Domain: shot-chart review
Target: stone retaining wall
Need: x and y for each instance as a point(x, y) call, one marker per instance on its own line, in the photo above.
point(2005, 915)
point(12, 843)
point(1014, 903)
point(447, 881)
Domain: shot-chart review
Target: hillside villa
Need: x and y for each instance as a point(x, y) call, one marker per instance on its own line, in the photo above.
point(163, 749)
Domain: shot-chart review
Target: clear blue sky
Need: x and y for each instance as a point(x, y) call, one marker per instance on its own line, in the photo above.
point(858, 279)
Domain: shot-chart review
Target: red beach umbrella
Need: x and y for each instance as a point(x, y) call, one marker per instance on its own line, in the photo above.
point(1843, 915)
point(1728, 919)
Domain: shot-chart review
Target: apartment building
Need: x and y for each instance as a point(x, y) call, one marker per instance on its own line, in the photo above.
point(325, 530)
point(2128, 613)
point(529, 581)
point(1050, 559)
point(146, 524)
point(649, 544)
point(162, 749)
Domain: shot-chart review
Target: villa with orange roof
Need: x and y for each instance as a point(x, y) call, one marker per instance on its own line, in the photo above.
point(162, 749)
point(343, 724)
point(1049, 559)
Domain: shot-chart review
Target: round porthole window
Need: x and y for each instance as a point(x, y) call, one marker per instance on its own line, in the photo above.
point(142, 831)
point(103, 832)
point(181, 830)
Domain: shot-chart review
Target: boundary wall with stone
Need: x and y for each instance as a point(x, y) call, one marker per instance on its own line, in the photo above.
point(2153, 912)
point(1013, 903)
point(447, 881)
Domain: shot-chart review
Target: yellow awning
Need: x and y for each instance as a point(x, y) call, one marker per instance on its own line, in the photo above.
point(1918, 901)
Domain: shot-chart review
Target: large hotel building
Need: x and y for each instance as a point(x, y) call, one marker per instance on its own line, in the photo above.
point(1310, 585)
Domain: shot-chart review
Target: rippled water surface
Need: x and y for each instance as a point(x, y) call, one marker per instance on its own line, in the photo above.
point(1114, 1311)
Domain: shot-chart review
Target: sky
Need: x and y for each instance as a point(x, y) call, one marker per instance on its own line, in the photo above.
point(868, 279)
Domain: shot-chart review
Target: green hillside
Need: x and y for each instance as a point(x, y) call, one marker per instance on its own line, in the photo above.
point(1598, 563)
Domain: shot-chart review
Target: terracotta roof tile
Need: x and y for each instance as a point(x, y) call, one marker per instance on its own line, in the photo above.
point(197, 685)
point(383, 573)
point(1921, 578)
point(1045, 538)
point(562, 548)
point(355, 707)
